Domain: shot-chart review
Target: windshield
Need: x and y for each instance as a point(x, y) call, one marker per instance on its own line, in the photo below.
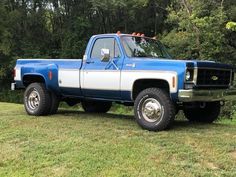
point(143, 47)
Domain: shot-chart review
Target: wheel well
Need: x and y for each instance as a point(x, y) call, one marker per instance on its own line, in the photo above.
point(28, 79)
point(140, 85)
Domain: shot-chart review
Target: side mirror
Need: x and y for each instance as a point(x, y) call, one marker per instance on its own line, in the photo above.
point(105, 53)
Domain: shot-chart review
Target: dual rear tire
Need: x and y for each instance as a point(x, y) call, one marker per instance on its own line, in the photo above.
point(39, 101)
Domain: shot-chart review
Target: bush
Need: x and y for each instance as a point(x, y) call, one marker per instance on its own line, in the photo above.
point(6, 95)
point(229, 110)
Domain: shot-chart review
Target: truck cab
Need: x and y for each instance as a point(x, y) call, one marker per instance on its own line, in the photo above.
point(132, 70)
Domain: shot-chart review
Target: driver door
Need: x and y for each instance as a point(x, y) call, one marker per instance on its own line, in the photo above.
point(101, 79)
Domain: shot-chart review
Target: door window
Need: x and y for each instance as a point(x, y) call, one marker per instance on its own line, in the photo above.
point(105, 43)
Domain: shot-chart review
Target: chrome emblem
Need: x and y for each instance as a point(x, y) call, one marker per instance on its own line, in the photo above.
point(214, 78)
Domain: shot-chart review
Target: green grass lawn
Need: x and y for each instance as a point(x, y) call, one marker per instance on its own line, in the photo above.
point(73, 143)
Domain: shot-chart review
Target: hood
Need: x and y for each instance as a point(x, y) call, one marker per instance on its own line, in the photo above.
point(160, 63)
point(210, 64)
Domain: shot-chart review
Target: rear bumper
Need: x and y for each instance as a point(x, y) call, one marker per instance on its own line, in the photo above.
point(206, 95)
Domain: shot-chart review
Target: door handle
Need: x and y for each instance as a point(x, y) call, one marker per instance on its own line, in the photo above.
point(88, 62)
point(131, 65)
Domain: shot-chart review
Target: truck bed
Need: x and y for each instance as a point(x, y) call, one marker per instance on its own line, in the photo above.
point(61, 63)
point(65, 73)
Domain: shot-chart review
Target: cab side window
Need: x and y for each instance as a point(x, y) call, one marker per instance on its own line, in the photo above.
point(105, 43)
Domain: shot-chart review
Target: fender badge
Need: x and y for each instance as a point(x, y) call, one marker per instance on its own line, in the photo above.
point(214, 78)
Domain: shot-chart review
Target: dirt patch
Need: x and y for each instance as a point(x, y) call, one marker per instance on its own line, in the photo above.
point(233, 154)
point(211, 165)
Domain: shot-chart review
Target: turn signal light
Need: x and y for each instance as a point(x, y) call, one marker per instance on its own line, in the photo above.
point(173, 82)
point(50, 75)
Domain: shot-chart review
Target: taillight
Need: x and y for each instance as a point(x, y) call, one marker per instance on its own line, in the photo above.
point(14, 72)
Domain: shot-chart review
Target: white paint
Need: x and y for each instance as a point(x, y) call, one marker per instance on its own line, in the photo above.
point(17, 74)
point(69, 78)
point(101, 79)
point(124, 80)
point(129, 77)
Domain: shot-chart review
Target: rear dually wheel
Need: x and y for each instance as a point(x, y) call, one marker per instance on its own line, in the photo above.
point(37, 99)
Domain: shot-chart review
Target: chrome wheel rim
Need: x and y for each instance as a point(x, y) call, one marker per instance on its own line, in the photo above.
point(152, 110)
point(33, 100)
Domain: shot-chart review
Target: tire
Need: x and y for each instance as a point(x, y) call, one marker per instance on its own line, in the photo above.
point(96, 106)
point(207, 114)
point(54, 103)
point(37, 99)
point(161, 112)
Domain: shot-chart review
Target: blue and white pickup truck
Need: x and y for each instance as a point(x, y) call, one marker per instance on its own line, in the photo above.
point(132, 70)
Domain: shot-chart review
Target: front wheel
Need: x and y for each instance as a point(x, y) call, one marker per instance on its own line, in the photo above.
point(207, 113)
point(154, 109)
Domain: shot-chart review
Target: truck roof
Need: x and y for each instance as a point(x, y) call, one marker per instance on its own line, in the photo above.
point(120, 34)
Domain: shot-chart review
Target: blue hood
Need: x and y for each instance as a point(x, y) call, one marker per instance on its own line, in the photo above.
point(152, 63)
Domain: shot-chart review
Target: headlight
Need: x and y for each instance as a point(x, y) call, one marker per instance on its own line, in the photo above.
point(189, 75)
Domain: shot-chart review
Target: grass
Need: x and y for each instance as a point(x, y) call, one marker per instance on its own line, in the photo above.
point(73, 143)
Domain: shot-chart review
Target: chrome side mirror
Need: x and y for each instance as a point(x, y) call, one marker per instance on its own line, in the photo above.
point(105, 53)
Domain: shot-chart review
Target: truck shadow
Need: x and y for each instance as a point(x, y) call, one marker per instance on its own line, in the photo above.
point(177, 125)
point(99, 115)
point(183, 123)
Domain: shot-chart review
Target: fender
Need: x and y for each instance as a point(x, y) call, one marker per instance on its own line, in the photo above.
point(51, 80)
point(129, 77)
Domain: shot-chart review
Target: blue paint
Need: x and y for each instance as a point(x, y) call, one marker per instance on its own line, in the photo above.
point(41, 67)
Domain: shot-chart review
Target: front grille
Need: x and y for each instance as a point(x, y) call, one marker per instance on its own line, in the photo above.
point(213, 78)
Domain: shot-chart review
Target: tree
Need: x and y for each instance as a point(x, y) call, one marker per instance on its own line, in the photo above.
point(197, 30)
point(231, 26)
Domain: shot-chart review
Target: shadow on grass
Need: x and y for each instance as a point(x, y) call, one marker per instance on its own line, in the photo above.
point(178, 124)
point(189, 126)
point(100, 115)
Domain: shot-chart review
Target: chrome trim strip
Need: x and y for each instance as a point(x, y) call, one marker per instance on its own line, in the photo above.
point(212, 85)
point(206, 95)
point(146, 71)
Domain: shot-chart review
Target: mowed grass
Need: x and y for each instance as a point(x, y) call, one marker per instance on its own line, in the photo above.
point(73, 143)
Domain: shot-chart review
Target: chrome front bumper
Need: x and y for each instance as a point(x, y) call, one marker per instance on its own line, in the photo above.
point(206, 95)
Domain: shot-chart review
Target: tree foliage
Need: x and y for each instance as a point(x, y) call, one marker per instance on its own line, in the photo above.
point(231, 26)
point(61, 28)
point(198, 30)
